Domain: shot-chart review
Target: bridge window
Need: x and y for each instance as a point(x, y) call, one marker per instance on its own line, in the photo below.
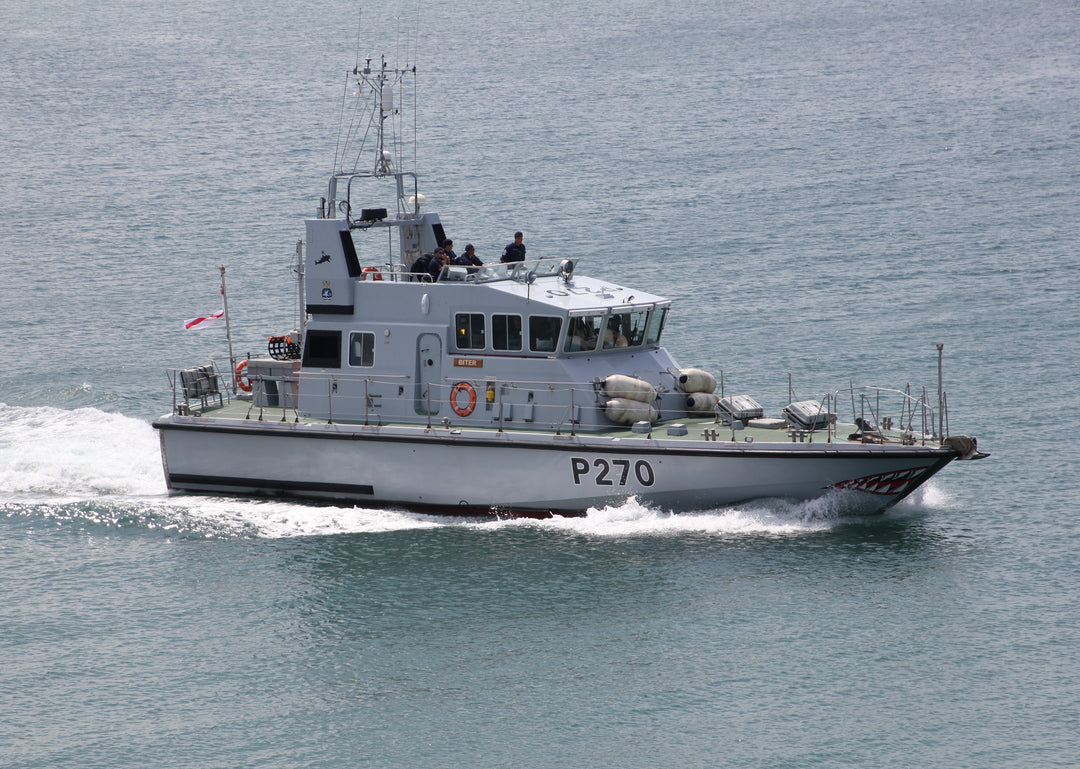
point(506, 332)
point(656, 325)
point(544, 333)
point(362, 349)
point(470, 331)
point(583, 332)
point(625, 329)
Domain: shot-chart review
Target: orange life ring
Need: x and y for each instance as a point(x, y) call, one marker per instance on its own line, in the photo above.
point(374, 271)
point(241, 369)
point(463, 411)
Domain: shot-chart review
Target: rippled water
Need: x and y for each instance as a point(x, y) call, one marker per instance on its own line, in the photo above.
point(827, 190)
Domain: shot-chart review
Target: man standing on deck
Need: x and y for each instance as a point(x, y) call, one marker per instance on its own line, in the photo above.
point(514, 252)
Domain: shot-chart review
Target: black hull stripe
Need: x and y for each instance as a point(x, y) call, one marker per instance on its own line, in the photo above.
point(340, 492)
point(182, 480)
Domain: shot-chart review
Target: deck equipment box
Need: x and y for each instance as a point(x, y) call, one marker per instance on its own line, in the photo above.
point(741, 407)
point(808, 415)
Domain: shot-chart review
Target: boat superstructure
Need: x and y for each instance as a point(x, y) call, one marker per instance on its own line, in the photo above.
point(522, 387)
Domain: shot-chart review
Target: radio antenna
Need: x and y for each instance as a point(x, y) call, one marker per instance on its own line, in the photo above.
point(359, 27)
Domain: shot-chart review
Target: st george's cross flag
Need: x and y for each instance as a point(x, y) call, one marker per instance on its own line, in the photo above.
point(204, 322)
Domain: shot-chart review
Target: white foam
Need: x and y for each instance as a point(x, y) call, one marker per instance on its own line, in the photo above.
point(927, 496)
point(225, 516)
point(632, 518)
point(218, 516)
point(53, 453)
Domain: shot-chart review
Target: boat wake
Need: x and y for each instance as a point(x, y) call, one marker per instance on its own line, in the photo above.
point(52, 454)
point(774, 517)
point(633, 518)
point(91, 468)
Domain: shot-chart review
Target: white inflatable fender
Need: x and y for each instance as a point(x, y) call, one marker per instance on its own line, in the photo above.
point(702, 401)
point(631, 388)
point(627, 411)
point(694, 380)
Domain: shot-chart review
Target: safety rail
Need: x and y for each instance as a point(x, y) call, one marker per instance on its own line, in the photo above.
point(911, 410)
point(522, 272)
point(369, 399)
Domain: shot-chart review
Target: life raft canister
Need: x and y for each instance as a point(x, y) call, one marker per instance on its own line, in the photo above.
point(373, 272)
point(241, 373)
point(463, 387)
point(627, 411)
point(628, 387)
point(702, 401)
point(695, 380)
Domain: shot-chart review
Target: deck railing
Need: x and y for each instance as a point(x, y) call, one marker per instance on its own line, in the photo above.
point(523, 272)
point(914, 414)
point(563, 406)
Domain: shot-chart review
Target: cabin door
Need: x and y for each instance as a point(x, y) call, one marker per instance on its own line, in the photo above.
point(429, 390)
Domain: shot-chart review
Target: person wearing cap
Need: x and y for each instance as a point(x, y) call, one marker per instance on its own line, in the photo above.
point(469, 258)
point(448, 249)
point(514, 252)
point(439, 260)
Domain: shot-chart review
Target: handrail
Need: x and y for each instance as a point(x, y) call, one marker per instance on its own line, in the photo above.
point(522, 272)
point(385, 398)
point(909, 407)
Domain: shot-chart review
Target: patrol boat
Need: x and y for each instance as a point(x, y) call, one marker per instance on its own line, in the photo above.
point(523, 388)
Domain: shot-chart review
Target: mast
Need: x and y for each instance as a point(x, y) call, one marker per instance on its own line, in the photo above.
point(376, 124)
point(228, 328)
point(301, 291)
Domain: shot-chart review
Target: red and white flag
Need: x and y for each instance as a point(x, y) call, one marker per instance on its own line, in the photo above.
point(206, 322)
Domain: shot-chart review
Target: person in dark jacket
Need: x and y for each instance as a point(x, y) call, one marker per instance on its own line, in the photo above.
point(439, 259)
point(468, 258)
point(430, 264)
point(514, 252)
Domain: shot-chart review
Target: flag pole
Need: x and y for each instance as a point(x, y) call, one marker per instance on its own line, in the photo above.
point(228, 330)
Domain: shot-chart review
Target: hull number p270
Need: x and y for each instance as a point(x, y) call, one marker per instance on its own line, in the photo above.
point(611, 472)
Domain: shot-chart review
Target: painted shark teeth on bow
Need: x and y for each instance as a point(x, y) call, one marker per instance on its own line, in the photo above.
point(897, 482)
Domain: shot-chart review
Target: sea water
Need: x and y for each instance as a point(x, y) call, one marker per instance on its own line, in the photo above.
point(826, 190)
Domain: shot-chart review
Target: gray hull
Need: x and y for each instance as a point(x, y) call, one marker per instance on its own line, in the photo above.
point(459, 471)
